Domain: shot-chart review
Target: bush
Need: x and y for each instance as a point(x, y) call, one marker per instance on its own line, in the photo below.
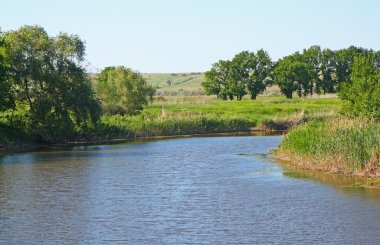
point(362, 96)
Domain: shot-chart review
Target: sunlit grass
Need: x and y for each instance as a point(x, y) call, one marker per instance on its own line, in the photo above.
point(334, 143)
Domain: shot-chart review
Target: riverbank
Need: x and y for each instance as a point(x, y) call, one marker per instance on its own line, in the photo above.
point(29, 147)
point(175, 116)
point(334, 144)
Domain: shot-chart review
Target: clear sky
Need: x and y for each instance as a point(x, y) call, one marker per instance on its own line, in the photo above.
point(190, 35)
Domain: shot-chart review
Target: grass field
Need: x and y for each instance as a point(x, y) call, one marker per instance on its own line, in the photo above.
point(264, 108)
point(205, 114)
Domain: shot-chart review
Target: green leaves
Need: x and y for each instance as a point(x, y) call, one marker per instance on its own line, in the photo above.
point(122, 91)
point(6, 98)
point(47, 74)
point(246, 73)
point(362, 95)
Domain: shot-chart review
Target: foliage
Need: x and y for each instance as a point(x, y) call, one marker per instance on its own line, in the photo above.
point(123, 91)
point(362, 95)
point(46, 73)
point(259, 72)
point(292, 75)
point(217, 80)
point(6, 99)
point(314, 70)
point(246, 72)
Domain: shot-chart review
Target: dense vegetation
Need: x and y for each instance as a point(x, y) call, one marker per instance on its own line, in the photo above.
point(336, 144)
point(46, 85)
point(213, 116)
point(246, 72)
point(122, 91)
point(312, 71)
point(47, 96)
point(362, 95)
point(349, 143)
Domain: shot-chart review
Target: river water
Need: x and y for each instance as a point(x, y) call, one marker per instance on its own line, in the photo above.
point(208, 190)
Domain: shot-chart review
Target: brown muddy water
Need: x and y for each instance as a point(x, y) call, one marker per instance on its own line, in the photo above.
point(208, 190)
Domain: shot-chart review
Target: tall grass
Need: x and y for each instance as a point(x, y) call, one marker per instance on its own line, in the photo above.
point(189, 115)
point(204, 114)
point(168, 124)
point(334, 143)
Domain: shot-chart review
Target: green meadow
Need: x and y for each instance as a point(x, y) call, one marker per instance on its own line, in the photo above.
point(204, 114)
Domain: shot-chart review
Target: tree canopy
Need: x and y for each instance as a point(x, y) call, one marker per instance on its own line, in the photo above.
point(6, 99)
point(362, 94)
point(122, 91)
point(46, 73)
point(247, 72)
point(314, 70)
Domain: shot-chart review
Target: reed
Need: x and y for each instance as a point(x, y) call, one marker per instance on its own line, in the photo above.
point(335, 144)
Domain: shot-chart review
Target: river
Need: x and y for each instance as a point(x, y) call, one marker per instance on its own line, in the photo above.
point(205, 190)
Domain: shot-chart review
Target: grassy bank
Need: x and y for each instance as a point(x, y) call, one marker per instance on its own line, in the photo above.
point(334, 144)
point(203, 115)
point(185, 115)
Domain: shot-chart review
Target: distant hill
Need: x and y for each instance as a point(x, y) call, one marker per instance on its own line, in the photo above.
point(175, 83)
point(184, 83)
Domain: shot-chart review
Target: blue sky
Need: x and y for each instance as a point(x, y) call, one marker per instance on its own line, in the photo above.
point(184, 36)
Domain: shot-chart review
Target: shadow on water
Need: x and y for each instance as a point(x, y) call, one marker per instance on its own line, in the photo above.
point(351, 185)
point(96, 145)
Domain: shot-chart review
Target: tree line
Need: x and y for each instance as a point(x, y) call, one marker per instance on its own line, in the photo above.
point(45, 89)
point(312, 71)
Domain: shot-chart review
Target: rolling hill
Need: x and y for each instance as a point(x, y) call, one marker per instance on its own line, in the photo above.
point(174, 83)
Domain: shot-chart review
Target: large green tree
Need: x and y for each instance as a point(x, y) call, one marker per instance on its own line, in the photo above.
point(312, 57)
point(247, 72)
point(292, 75)
point(47, 74)
point(343, 61)
point(327, 72)
point(123, 91)
point(362, 95)
point(6, 98)
point(260, 67)
point(218, 80)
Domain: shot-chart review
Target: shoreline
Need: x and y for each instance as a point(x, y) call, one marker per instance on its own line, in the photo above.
point(336, 144)
point(7, 149)
point(328, 165)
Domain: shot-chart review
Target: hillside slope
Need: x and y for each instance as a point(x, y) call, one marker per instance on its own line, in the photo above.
point(169, 83)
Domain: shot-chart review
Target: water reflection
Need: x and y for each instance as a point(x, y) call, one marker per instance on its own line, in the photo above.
point(352, 185)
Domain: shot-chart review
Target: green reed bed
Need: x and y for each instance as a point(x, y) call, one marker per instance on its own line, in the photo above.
point(335, 143)
point(179, 124)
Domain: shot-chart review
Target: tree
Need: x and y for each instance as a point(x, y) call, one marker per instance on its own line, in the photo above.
point(328, 83)
point(291, 76)
point(123, 91)
point(6, 99)
point(239, 74)
point(218, 80)
point(47, 74)
point(312, 58)
point(343, 61)
point(362, 95)
point(246, 72)
point(260, 67)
